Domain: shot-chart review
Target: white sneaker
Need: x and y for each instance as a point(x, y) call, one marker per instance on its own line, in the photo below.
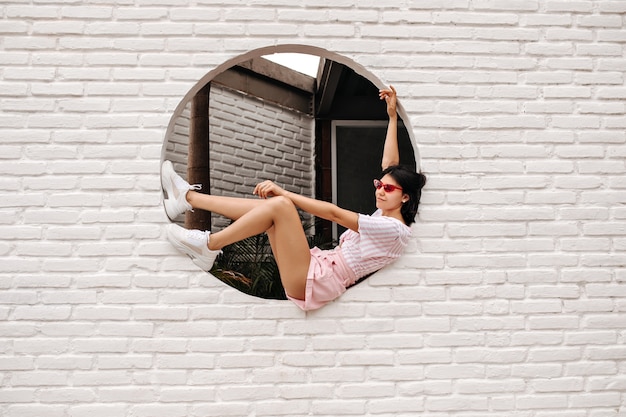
point(193, 243)
point(176, 189)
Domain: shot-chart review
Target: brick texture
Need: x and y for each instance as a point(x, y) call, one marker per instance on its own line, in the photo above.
point(511, 299)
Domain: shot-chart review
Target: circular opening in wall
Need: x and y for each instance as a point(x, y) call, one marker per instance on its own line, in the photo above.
point(307, 119)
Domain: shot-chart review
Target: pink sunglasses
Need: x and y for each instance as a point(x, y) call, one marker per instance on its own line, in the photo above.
point(389, 188)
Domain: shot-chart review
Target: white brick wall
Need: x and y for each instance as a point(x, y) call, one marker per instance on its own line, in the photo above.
point(511, 300)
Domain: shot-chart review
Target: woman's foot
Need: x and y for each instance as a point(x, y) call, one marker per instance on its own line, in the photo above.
point(176, 189)
point(193, 243)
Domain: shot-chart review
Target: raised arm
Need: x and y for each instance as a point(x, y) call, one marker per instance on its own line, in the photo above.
point(391, 154)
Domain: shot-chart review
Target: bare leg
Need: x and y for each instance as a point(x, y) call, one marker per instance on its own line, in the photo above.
point(231, 207)
point(277, 216)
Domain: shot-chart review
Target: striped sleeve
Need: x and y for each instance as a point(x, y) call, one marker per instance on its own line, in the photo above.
point(382, 236)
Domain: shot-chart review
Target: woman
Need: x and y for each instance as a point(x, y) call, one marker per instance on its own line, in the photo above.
point(310, 277)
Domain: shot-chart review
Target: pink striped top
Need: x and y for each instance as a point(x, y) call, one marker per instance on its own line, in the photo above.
point(378, 243)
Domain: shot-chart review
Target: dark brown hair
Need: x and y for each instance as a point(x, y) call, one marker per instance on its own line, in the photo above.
point(412, 183)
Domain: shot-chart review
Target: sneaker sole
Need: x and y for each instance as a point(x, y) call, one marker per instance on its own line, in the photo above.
point(170, 208)
point(202, 263)
point(169, 203)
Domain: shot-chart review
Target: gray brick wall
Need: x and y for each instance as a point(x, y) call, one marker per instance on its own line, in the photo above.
point(251, 140)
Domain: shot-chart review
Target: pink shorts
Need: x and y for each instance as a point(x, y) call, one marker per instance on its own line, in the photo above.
point(327, 279)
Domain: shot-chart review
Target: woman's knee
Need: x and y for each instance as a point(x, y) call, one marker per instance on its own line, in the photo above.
point(282, 205)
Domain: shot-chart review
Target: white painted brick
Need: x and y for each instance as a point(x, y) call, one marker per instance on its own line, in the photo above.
point(537, 371)
point(456, 340)
point(387, 341)
point(489, 323)
point(279, 344)
point(610, 35)
point(295, 392)
point(424, 325)
point(558, 385)
point(335, 407)
point(477, 386)
point(605, 353)
point(514, 271)
point(430, 356)
point(162, 345)
point(127, 395)
point(69, 265)
point(555, 355)
point(503, 403)
point(596, 368)
point(155, 313)
point(16, 364)
point(225, 409)
point(106, 378)
point(543, 402)
point(60, 395)
point(469, 403)
point(201, 329)
point(606, 383)
point(101, 410)
point(39, 378)
point(506, 5)
point(17, 396)
point(564, 6)
point(34, 410)
point(237, 361)
point(610, 399)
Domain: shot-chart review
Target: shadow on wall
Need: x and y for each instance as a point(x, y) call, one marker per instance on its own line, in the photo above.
point(257, 120)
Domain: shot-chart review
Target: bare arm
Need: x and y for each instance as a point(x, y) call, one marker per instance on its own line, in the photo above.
point(391, 154)
point(323, 209)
